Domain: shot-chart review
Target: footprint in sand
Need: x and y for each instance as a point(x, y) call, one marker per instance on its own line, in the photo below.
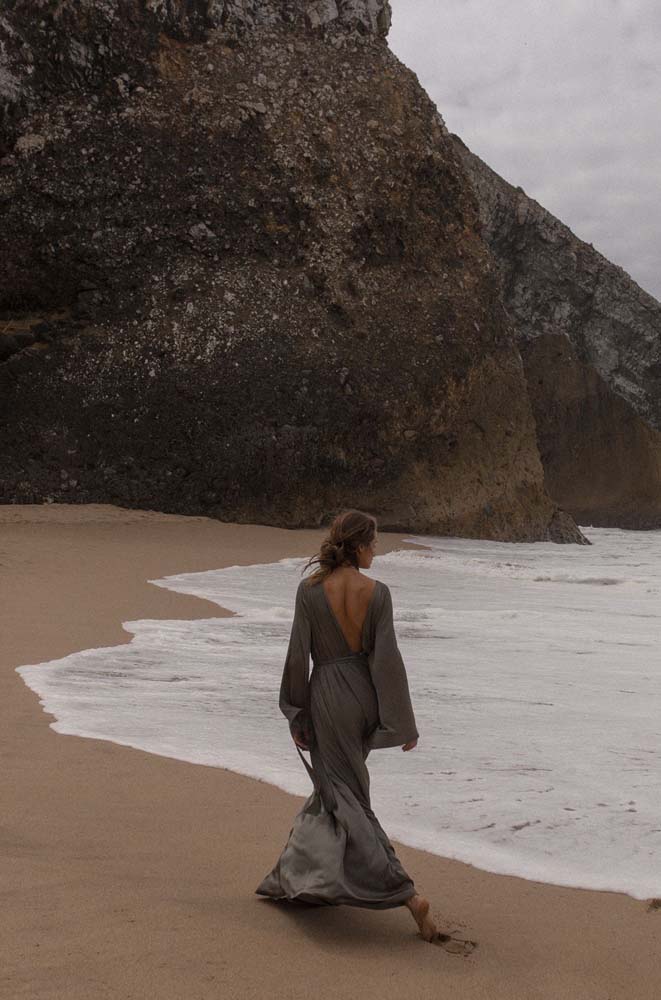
point(455, 945)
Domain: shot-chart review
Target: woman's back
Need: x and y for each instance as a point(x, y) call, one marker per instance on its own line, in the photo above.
point(349, 595)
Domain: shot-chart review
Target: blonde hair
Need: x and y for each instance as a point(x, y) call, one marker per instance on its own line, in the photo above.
point(347, 531)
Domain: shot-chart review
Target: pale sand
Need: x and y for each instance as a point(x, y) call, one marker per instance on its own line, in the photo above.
point(128, 875)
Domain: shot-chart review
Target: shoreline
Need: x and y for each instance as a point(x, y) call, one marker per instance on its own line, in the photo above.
point(105, 845)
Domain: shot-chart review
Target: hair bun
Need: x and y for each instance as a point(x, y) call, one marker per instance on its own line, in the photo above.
point(337, 550)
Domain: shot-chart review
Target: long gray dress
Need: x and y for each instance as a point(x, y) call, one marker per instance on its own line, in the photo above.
point(337, 851)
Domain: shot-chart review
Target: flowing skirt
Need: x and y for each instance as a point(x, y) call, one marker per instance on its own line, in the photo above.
point(337, 852)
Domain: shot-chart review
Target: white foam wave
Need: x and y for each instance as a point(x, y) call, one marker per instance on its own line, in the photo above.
point(537, 707)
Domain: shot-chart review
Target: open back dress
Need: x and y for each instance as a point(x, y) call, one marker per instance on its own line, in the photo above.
point(337, 852)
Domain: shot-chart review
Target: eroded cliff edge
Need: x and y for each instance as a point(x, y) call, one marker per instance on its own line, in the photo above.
point(244, 276)
point(590, 338)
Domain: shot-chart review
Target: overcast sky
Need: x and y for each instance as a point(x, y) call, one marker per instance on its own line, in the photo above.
point(560, 96)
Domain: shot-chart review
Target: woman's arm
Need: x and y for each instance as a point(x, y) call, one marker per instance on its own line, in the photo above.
point(294, 687)
point(396, 724)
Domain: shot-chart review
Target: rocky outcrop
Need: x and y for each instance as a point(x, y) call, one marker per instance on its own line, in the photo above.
point(244, 277)
point(590, 339)
point(48, 48)
point(599, 456)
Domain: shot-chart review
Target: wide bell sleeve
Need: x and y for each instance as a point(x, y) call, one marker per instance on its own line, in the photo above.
point(294, 687)
point(396, 724)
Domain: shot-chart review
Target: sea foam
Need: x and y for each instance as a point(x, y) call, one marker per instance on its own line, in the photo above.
point(537, 700)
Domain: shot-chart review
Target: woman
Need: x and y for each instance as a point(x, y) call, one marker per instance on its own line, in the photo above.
point(356, 700)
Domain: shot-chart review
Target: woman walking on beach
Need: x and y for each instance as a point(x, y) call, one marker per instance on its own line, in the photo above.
point(356, 700)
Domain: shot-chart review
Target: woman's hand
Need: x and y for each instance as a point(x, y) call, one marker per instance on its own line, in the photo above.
point(300, 743)
point(410, 745)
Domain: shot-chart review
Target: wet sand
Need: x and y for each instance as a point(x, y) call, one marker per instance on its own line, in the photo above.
point(127, 875)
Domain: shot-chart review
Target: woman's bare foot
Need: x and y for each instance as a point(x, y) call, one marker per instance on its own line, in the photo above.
point(419, 907)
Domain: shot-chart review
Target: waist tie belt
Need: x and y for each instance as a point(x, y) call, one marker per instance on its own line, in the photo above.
point(318, 774)
point(362, 657)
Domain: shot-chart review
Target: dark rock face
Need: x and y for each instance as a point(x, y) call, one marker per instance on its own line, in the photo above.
point(48, 47)
point(590, 339)
point(599, 456)
point(243, 277)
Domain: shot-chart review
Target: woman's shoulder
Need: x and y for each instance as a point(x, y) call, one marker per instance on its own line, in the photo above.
point(379, 590)
point(384, 597)
point(376, 590)
point(305, 586)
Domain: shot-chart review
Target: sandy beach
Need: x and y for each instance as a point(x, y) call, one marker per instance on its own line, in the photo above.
point(129, 875)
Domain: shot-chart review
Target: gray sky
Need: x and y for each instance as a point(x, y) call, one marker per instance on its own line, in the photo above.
point(560, 96)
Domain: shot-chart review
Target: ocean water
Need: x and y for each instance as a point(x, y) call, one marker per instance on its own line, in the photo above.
point(535, 674)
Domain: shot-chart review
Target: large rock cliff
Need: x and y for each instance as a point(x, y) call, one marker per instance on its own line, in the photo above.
point(590, 339)
point(243, 275)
